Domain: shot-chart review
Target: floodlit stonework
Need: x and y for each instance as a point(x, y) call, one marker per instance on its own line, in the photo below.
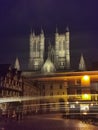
point(82, 65)
point(59, 53)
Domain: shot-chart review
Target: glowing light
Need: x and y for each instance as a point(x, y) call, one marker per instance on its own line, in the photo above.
point(86, 77)
point(77, 102)
point(84, 107)
point(27, 98)
point(92, 104)
point(84, 113)
point(67, 103)
point(72, 106)
point(85, 81)
point(86, 96)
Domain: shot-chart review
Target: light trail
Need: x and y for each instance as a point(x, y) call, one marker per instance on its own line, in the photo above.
point(28, 98)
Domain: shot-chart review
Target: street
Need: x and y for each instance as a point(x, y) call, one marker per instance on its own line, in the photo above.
point(46, 122)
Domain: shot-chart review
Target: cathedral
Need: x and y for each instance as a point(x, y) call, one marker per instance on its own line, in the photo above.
point(49, 57)
point(49, 73)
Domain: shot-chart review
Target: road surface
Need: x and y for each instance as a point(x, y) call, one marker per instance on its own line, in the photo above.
point(46, 122)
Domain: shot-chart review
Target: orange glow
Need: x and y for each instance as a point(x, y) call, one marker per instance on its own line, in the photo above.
point(85, 81)
point(86, 77)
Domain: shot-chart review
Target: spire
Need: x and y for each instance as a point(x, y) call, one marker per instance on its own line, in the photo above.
point(67, 29)
point(31, 30)
point(56, 30)
point(82, 65)
point(10, 67)
point(42, 32)
point(33, 34)
point(17, 65)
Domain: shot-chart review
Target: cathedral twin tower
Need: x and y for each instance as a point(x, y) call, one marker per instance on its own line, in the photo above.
point(49, 57)
point(58, 57)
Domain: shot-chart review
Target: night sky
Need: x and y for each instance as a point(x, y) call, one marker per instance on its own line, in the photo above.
point(17, 17)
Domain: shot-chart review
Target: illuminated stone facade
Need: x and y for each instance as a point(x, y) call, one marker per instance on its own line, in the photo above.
point(36, 52)
point(59, 54)
point(82, 65)
point(62, 50)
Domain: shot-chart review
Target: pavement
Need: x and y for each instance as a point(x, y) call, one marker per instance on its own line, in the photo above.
point(46, 122)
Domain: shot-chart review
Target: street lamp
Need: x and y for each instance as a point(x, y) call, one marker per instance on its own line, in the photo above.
point(85, 81)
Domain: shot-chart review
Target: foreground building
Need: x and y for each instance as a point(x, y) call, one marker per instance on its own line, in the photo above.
point(11, 86)
point(66, 91)
point(53, 92)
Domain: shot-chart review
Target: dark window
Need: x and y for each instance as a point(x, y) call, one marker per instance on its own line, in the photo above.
point(60, 86)
point(43, 86)
point(63, 93)
point(51, 87)
point(63, 45)
point(43, 93)
point(78, 81)
point(78, 91)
